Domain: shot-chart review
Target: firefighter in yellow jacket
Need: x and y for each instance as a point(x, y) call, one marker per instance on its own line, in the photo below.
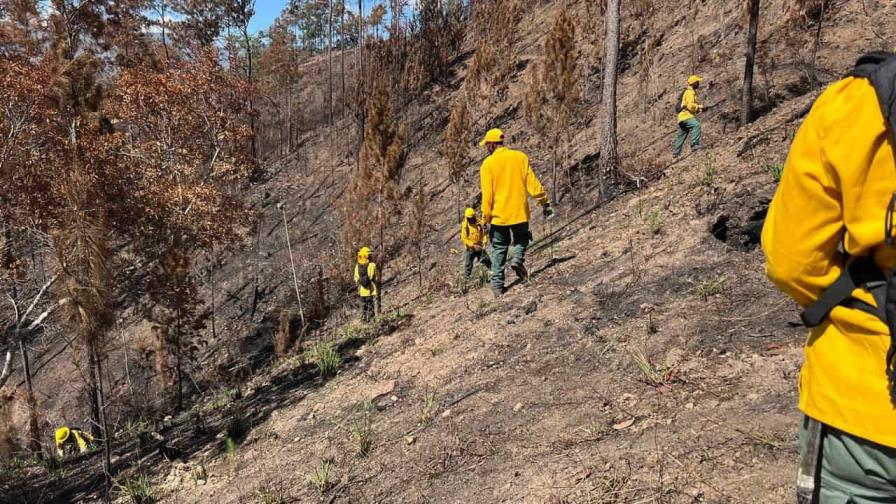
point(69, 440)
point(828, 241)
point(687, 120)
point(367, 279)
point(475, 241)
point(507, 179)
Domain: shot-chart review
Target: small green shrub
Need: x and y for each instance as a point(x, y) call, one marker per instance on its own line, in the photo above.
point(427, 408)
point(708, 288)
point(132, 430)
point(322, 476)
point(775, 171)
point(267, 495)
point(709, 172)
point(327, 359)
point(135, 490)
point(653, 221)
point(652, 374)
point(362, 435)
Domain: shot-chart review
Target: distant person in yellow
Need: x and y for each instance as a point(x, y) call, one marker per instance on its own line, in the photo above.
point(71, 440)
point(829, 244)
point(367, 279)
point(506, 178)
point(687, 122)
point(475, 240)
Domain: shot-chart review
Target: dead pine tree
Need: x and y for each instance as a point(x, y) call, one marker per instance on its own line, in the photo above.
point(330, 58)
point(454, 146)
point(419, 204)
point(747, 93)
point(553, 92)
point(609, 157)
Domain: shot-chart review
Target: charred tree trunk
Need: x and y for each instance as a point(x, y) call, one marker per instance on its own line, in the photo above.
point(747, 106)
point(33, 434)
point(609, 158)
point(330, 57)
point(342, 54)
point(104, 425)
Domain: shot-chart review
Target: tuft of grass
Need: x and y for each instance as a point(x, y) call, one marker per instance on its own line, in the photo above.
point(322, 476)
point(708, 288)
point(653, 375)
point(362, 435)
point(199, 473)
point(427, 408)
point(132, 430)
point(267, 495)
point(594, 429)
point(653, 222)
point(135, 490)
point(775, 171)
point(326, 358)
point(709, 172)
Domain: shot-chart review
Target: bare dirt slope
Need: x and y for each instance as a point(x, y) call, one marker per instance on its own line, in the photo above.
point(648, 361)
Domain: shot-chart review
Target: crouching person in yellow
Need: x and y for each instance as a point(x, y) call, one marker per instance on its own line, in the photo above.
point(71, 440)
point(829, 244)
point(367, 279)
point(475, 243)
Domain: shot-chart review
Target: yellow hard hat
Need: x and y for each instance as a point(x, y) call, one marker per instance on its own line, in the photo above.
point(493, 135)
point(62, 434)
point(469, 213)
point(364, 253)
point(694, 79)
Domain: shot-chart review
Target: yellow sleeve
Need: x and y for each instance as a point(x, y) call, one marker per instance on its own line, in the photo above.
point(374, 273)
point(805, 223)
point(357, 274)
point(487, 183)
point(465, 234)
point(689, 101)
point(533, 185)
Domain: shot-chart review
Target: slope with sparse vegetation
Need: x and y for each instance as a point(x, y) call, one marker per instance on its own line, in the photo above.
point(649, 360)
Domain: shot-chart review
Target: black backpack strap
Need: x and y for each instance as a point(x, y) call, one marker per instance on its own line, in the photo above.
point(862, 272)
point(880, 68)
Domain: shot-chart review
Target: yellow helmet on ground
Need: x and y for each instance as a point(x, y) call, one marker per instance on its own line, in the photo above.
point(364, 253)
point(469, 213)
point(62, 434)
point(493, 135)
point(694, 79)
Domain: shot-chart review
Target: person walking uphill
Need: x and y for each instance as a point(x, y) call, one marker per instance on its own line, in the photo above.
point(475, 241)
point(829, 244)
point(687, 122)
point(367, 279)
point(506, 177)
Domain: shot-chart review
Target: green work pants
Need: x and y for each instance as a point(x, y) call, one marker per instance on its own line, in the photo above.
point(687, 127)
point(470, 259)
point(502, 238)
point(853, 470)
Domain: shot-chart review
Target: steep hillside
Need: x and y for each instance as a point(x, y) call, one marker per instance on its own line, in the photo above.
point(648, 361)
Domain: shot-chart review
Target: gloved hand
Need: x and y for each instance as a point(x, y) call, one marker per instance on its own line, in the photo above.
point(547, 211)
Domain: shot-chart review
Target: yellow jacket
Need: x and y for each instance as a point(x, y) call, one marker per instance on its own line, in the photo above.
point(689, 105)
point(472, 235)
point(66, 437)
point(836, 184)
point(372, 273)
point(506, 177)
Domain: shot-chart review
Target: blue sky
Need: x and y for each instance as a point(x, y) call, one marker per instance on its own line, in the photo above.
point(265, 13)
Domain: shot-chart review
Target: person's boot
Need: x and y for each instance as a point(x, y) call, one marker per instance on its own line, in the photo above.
point(517, 266)
point(497, 292)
